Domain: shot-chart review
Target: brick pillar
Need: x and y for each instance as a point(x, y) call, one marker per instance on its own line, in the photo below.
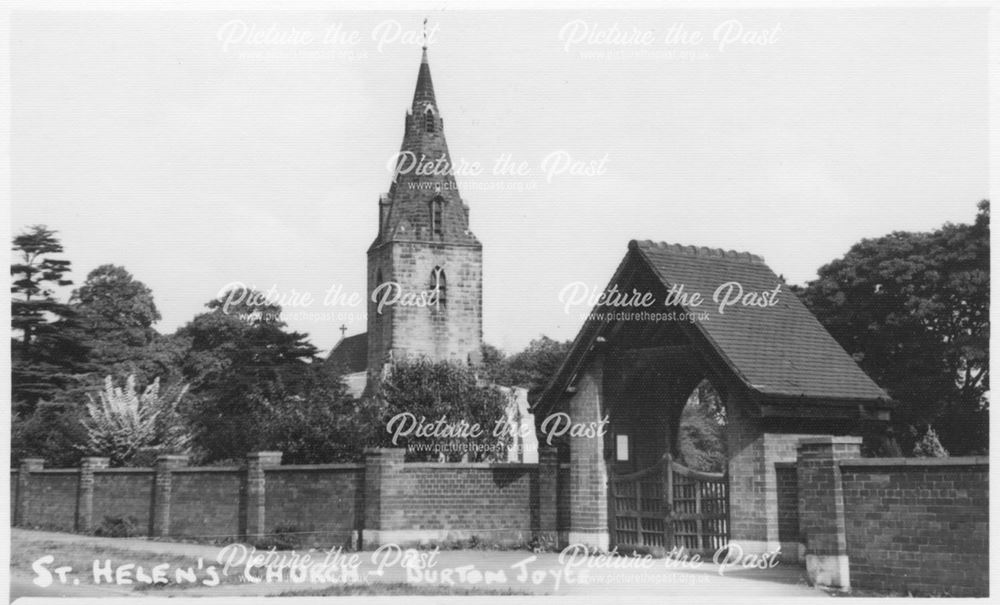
point(165, 465)
point(22, 513)
point(821, 508)
point(85, 496)
point(383, 467)
point(588, 477)
point(548, 496)
point(256, 520)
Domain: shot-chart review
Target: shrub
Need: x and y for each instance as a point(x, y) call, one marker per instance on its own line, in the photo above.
point(119, 527)
point(929, 446)
point(285, 536)
point(123, 422)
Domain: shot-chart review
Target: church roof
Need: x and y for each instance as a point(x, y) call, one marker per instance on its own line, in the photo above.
point(777, 352)
point(351, 354)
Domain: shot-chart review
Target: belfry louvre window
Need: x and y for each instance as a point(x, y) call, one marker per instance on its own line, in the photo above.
point(429, 121)
point(437, 212)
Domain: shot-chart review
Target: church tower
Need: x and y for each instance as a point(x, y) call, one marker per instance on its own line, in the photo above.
point(424, 255)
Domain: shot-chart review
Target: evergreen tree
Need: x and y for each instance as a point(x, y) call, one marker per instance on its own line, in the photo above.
point(46, 354)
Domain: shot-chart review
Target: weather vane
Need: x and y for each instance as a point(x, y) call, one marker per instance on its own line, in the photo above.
point(425, 33)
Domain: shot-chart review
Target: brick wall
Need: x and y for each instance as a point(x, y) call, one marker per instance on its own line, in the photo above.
point(53, 497)
point(494, 502)
point(918, 525)
point(205, 502)
point(413, 503)
point(563, 502)
point(744, 435)
point(384, 500)
point(788, 503)
point(325, 500)
point(123, 493)
point(906, 525)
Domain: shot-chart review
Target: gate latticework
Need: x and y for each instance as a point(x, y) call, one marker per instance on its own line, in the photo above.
point(669, 505)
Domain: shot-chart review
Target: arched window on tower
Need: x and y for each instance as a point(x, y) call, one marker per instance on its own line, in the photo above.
point(429, 120)
point(439, 283)
point(437, 215)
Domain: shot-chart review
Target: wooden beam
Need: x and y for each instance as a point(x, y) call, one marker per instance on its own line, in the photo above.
point(808, 411)
point(658, 350)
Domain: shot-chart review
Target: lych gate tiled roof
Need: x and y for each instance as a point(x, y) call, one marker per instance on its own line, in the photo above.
point(779, 350)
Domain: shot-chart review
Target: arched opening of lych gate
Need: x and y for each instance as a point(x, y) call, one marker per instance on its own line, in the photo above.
point(666, 442)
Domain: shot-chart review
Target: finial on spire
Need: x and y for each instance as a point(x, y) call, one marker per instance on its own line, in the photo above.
point(425, 35)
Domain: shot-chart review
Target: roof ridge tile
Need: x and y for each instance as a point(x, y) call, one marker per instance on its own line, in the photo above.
point(697, 251)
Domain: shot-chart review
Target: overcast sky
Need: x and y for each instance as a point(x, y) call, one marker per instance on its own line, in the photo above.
point(201, 149)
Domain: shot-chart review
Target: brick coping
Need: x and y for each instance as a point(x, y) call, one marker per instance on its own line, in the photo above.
point(831, 440)
point(334, 466)
point(471, 465)
point(951, 461)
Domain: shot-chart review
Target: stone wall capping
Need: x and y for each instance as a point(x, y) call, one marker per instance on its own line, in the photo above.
point(950, 461)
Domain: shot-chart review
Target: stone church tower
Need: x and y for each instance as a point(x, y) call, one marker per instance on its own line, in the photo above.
point(424, 251)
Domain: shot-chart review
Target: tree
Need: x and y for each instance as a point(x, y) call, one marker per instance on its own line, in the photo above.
point(48, 357)
point(33, 278)
point(913, 309)
point(241, 362)
point(531, 368)
point(50, 431)
point(701, 439)
point(123, 424)
point(116, 314)
point(433, 391)
point(318, 427)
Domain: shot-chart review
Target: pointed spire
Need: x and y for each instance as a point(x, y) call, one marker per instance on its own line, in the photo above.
point(423, 202)
point(424, 94)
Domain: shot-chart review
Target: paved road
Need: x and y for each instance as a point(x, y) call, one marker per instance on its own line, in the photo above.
point(520, 571)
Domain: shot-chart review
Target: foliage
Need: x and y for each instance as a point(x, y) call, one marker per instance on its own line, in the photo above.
point(33, 279)
point(913, 309)
point(115, 526)
point(434, 390)
point(50, 431)
point(701, 442)
point(122, 422)
point(322, 425)
point(286, 536)
point(116, 314)
point(240, 362)
point(531, 368)
point(929, 446)
point(47, 358)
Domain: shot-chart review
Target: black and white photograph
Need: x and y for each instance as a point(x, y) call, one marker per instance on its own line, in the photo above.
point(509, 301)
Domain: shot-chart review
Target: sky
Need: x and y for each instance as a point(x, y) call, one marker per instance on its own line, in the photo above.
point(201, 149)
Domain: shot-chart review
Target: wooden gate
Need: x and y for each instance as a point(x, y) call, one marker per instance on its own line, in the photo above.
point(669, 505)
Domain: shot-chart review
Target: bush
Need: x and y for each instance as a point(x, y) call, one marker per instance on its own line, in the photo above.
point(119, 527)
point(929, 446)
point(124, 421)
point(285, 536)
point(433, 391)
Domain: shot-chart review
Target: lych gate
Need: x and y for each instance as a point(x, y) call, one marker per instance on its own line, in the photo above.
point(668, 506)
point(778, 375)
